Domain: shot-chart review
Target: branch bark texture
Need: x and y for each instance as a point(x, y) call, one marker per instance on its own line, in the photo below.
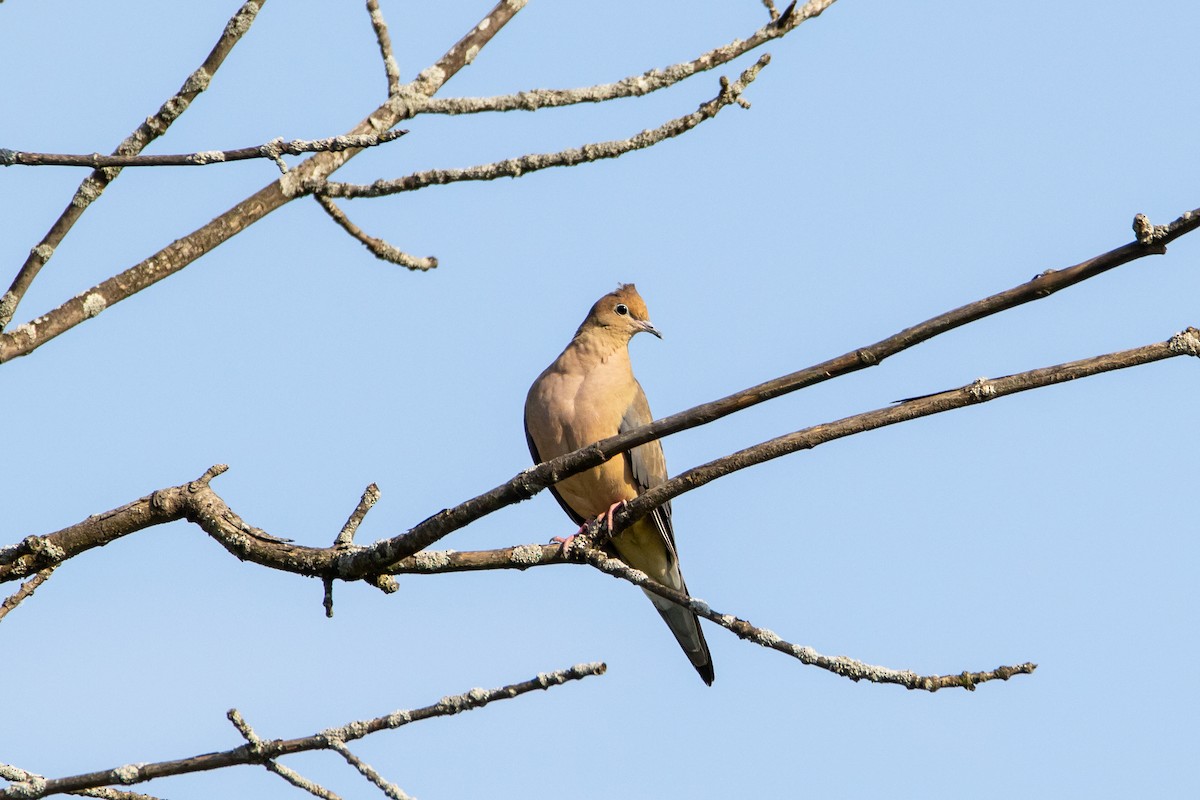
point(262, 751)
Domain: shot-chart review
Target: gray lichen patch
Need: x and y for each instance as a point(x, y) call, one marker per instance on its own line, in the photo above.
point(431, 560)
point(93, 304)
point(526, 555)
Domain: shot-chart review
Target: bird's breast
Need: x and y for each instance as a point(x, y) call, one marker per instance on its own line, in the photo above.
point(566, 411)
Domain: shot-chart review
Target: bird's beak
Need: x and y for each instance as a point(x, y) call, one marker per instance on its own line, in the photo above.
point(649, 328)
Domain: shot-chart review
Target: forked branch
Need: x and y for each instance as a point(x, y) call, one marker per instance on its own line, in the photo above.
point(260, 751)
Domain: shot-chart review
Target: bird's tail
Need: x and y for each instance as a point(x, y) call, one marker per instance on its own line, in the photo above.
point(686, 627)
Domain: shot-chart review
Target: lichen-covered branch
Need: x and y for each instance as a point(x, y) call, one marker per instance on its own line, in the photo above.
point(367, 771)
point(1186, 342)
point(271, 150)
point(839, 665)
point(27, 589)
point(406, 101)
point(260, 751)
point(516, 167)
point(198, 503)
point(521, 557)
point(535, 479)
point(378, 247)
point(390, 68)
point(152, 128)
point(182, 252)
point(10, 773)
point(631, 86)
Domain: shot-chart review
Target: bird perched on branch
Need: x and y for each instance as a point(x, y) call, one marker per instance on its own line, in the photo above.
point(587, 394)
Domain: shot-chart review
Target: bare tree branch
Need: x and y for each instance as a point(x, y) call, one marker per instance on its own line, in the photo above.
point(587, 548)
point(367, 771)
point(182, 252)
point(632, 86)
point(198, 503)
point(264, 750)
point(27, 589)
point(148, 131)
point(196, 500)
point(406, 102)
point(534, 480)
point(370, 497)
point(390, 68)
point(11, 773)
point(516, 167)
point(287, 773)
point(378, 247)
point(1187, 342)
point(839, 665)
point(521, 557)
point(272, 150)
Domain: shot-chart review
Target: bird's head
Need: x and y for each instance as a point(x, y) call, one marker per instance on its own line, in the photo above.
point(621, 313)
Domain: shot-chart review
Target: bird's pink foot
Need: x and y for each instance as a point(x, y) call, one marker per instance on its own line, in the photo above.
point(566, 542)
point(608, 517)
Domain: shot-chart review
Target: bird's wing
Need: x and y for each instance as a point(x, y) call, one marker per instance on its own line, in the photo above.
point(537, 459)
point(649, 543)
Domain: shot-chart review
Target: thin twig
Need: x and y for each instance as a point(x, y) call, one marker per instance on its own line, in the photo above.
point(839, 665)
point(152, 128)
point(367, 771)
point(288, 774)
point(300, 782)
point(516, 167)
point(264, 750)
point(370, 497)
point(378, 247)
point(182, 252)
point(345, 537)
point(390, 68)
point(27, 589)
point(270, 150)
point(631, 86)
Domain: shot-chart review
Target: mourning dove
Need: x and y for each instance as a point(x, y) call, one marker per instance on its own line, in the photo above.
point(588, 394)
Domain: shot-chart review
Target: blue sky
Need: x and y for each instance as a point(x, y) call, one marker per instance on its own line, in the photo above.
point(899, 160)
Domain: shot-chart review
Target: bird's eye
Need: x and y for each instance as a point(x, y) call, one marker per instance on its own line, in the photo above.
point(622, 309)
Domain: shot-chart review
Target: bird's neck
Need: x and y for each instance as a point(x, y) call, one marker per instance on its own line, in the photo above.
point(599, 344)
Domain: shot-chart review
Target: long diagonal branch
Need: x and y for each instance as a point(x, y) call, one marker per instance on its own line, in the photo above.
point(842, 666)
point(196, 500)
point(198, 503)
point(182, 252)
point(516, 167)
point(631, 86)
point(152, 128)
point(272, 149)
point(261, 751)
point(531, 481)
point(521, 557)
point(408, 101)
point(1186, 342)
